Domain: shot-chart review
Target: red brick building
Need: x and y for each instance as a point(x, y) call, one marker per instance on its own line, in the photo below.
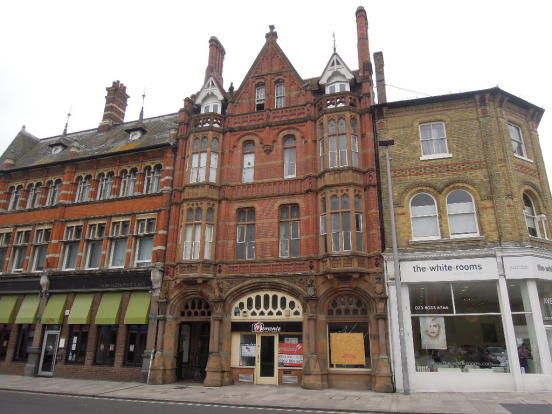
point(266, 234)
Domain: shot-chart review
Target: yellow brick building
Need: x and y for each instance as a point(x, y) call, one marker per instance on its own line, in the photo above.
point(471, 201)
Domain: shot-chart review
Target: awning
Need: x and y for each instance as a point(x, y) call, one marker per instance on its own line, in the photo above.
point(137, 312)
point(81, 309)
point(54, 311)
point(28, 309)
point(110, 309)
point(7, 308)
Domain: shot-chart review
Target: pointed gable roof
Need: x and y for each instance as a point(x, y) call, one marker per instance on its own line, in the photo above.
point(335, 65)
point(211, 87)
point(270, 59)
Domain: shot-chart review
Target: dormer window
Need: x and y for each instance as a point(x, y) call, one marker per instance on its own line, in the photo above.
point(336, 77)
point(56, 149)
point(134, 135)
point(211, 107)
point(260, 98)
point(337, 87)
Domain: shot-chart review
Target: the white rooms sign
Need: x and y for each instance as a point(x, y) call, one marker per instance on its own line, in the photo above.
point(449, 270)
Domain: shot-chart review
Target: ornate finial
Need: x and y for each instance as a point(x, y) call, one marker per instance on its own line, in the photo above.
point(231, 88)
point(67, 122)
point(333, 35)
point(272, 34)
point(141, 117)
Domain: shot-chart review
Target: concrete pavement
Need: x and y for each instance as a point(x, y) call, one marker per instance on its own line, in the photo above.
point(291, 397)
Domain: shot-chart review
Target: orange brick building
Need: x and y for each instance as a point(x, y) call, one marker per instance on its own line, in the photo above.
point(236, 241)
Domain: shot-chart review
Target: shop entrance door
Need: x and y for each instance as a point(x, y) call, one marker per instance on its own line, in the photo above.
point(49, 351)
point(193, 350)
point(266, 371)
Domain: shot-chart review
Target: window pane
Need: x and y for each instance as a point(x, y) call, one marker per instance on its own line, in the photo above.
point(118, 253)
point(425, 227)
point(208, 241)
point(145, 248)
point(343, 150)
point(94, 254)
point(213, 167)
point(480, 297)
point(71, 255)
point(346, 338)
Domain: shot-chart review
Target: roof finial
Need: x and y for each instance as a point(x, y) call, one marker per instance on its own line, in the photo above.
point(141, 117)
point(67, 122)
point(333, 35)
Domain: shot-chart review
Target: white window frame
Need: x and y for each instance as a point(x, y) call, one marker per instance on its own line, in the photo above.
point(279, 95)
point(96, 234)
point(260, 98)
point(145, 229)
point(436, 218)
point(433, 155)
point(518, 142)
point(73, 235)
point(119, 235)
point(40, 242)
point(473, 214)
point(528, 216)
point(290, 157)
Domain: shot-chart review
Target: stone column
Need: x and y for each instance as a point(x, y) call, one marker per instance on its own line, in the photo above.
point(31, 366)
point(314, 377)
point(214, 370)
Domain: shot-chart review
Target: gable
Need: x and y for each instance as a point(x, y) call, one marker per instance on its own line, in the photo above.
point(336, 69)
point(209, 92)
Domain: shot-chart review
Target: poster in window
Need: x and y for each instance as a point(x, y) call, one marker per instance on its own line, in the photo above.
point(248, 350)
point(347, 348)
point(290, 354)
point(432, 329)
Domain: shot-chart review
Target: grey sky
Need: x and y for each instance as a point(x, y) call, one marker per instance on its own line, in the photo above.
point(58, 54)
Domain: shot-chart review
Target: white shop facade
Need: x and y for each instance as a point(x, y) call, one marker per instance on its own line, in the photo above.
point(475, 322)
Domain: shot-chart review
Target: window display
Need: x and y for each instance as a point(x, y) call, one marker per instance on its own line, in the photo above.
point(457, 327)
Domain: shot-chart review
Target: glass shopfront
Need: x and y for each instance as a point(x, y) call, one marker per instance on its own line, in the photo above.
point(457, 327)
point(544, 287)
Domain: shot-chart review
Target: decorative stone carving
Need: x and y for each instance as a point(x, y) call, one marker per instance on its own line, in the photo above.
point(156, 279)
point(44, 284)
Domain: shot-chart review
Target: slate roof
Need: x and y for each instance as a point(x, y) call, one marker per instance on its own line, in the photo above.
point(29, 151)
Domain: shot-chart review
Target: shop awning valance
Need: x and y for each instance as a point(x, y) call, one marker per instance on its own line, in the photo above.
point(109, 309)
point(81, 309)
point(54, 311)
point(137, 312)
point(28, 309)
point(7, 308)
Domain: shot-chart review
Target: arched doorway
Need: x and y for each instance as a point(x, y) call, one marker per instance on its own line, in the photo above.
point(267, 338)
point(193, 343)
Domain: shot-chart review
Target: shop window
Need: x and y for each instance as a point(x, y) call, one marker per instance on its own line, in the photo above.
point(106, 346)
point(5, 331)
point(128, 183)
point(96, 233)
point(248, 162)
point(152, 179)
point(22, 238)
point(461, 214)
point(518, 145)
point(289, 231)
point(78, 339)
point(423, 214)
point(4, 242)
point(135, 344)
point(52, 196)
point(119, 241)
point(457, 327)
point(204, 160)
point(41, 240)
point(248, 350)
point(15, 196)
point(83, 189)
point(25, 337)
point(245, 234)
point(144, 241)
point(289, 157)
point(290, 350)
point(544, 288)
point(433, 139)
point(524, 326)
point(260, 98)
point(280, 95)
point(73, 235)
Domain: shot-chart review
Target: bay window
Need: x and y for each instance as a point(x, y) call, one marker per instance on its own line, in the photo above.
point(204, 160)
point(340, 146)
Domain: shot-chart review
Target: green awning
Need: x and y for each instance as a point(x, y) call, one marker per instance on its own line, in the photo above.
point(110, 309)
point(81, 309)
point(137, 312)
point(54, 311)
point(28, 309)
point(7, 308)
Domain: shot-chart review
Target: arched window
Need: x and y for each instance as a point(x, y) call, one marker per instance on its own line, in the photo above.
point(33, 195)
point(101, 186)
point(461, 214)
point(156, 182)
point(530, 215)
point(289, 157)
point(192, 236)
point(15, 197)
point(83, 189)
point(279, 95)
point(423, 214)
point(248, 162)
point(152, 179)
point(108, 186)
point(53, 192)
point(259, 98)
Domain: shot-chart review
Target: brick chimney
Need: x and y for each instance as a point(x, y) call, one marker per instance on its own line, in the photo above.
point(115, 106)
point(216, 60)
point(364, 65)
point(380, 77)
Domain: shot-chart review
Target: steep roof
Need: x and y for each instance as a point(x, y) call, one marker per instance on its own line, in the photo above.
point(33, 152)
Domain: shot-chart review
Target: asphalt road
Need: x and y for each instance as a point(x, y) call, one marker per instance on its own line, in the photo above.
point(12, 402)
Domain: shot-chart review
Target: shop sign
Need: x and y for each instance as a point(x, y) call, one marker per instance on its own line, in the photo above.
point(527, 267)
point(483, 268)
point(261, 327)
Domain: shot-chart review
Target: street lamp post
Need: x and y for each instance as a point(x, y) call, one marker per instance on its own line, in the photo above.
point(406, 382)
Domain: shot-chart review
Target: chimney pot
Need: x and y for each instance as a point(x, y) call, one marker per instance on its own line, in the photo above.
point(115, 106)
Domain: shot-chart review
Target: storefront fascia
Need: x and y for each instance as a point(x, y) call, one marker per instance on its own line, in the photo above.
point(461, 374)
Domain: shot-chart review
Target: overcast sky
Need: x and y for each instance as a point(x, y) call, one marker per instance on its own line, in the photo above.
point(56, 55)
